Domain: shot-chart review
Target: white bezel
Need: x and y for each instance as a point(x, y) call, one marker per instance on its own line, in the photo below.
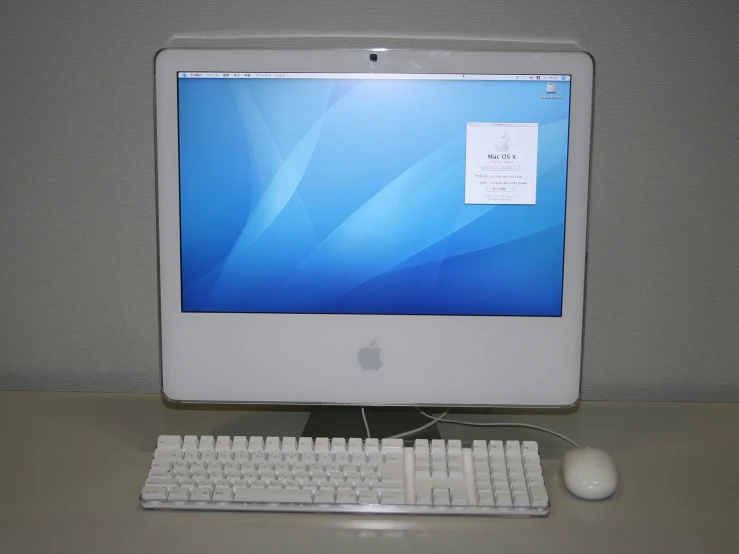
point(427, 360)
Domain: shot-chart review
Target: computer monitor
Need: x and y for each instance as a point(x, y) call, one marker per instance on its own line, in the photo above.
point(371, 226)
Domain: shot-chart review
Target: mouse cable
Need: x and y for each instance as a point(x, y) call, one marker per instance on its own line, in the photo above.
point(366, 425)
point(483, 424)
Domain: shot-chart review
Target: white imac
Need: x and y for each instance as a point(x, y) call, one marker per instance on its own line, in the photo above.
point(371, 226)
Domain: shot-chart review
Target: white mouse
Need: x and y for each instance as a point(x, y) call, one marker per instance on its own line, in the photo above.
point(589, 473)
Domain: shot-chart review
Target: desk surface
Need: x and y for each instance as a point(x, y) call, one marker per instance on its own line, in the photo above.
point(72, 466)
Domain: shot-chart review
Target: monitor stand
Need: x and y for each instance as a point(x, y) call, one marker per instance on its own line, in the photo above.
point(346, 421)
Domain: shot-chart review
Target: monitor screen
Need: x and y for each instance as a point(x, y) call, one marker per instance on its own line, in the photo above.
point(373, 194)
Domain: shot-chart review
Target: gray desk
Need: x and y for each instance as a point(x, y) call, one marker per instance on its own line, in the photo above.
point(72, 466)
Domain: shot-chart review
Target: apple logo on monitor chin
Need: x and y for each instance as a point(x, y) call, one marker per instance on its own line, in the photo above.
point(369, 356)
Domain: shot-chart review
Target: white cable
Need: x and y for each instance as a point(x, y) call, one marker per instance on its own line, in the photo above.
point(481, 424)
point(366, 425)
point(422, 427)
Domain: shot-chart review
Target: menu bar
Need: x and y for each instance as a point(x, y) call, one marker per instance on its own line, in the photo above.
point(388, 76)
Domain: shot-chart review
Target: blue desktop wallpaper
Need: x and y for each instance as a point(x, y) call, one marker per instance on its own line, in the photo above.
point(347, 196)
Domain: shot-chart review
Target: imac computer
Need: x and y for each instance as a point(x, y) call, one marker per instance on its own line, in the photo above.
point(372, 227)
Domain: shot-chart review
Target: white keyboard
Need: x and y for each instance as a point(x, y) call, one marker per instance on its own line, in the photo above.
point(288, 474)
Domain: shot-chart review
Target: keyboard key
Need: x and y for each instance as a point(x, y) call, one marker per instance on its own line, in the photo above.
point(201, 494)
point(423, 470)
point(516, 478)
point(521, 499)
point(484, 487)
point(191, 456)
point(324, 458)
point(223, 444)
point(307, 457)
point(438, 469)
point(279, 495)
point(239, 444)
point(503, 500)
point(496, 447)
point(289, 444)
point(371, 445)
point(190, 442)
point(503, 487)
point(301, 475)
point(392, 445)
point(322, 445)
point(539, 498)
point(519, 487)
point(367, 496)
point(222, 494)
point(169, 442)
point(391, 470)
point(396, 484)
point(189, 483)
point(326, 496)
point(345, 496)
point(256, 444)
point(459, 497)
point(208, 455)
point(512, 448)
point(338, 444)
point(242, 456)
point(305, 444)
point(393, 457)
point(167, 482)
point(179, 494)
point(479, 445)
point(160, 454)
point(272, 444)
point(160, 472)
point(454, 458)
point(291, 456)
point(531, 460)
point(392, 497)
point(529, 447)
point(438, 446)
point(353, 478)
point(282, 467)
point(438, 458)
point(424, 498)
point(342, 457)
point(239, 484)
point(356, 445)
point(485, 498)
point(374, 458)
point(456, 470)
point(154, 492)
point(441, 497)
point(334, 468)
point(534, 479)
point(259, 456)
point(206, 443)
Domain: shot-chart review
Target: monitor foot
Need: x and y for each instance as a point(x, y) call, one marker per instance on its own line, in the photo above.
point(346, 421)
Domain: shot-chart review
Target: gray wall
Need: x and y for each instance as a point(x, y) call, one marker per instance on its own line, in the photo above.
point(78, 291)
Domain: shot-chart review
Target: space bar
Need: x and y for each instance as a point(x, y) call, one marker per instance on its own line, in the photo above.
point(273, 495)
